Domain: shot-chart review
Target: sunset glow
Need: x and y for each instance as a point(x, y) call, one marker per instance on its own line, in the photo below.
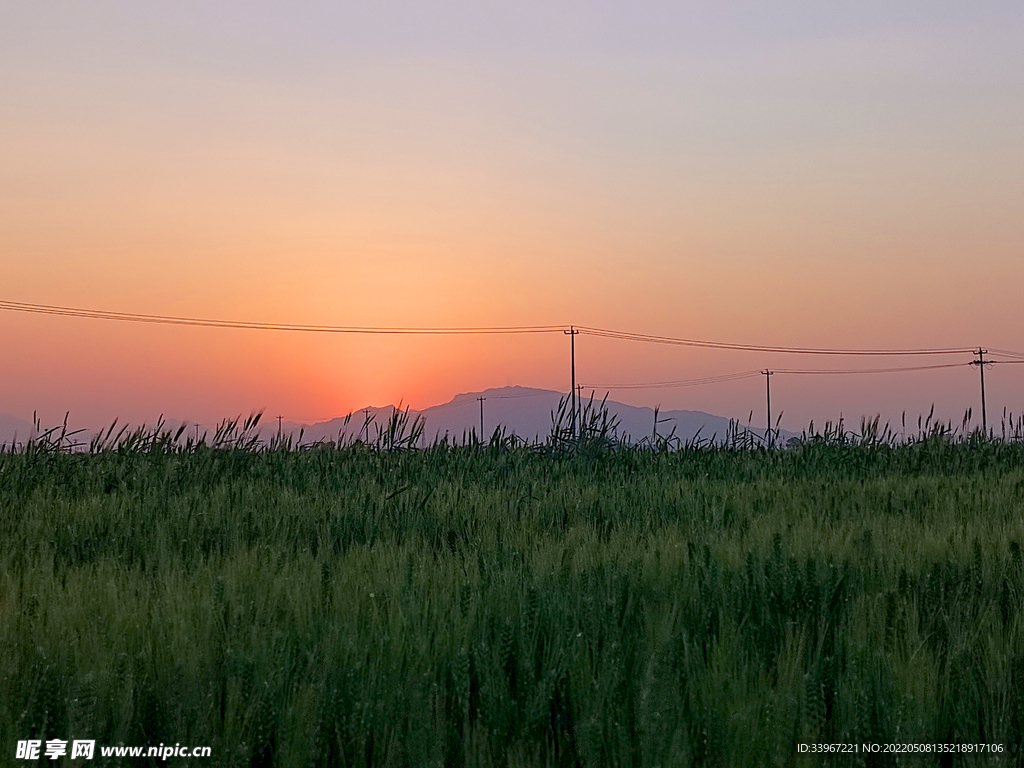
point(822, 178)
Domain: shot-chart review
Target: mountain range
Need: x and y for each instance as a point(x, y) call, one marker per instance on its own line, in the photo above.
point(526, 412)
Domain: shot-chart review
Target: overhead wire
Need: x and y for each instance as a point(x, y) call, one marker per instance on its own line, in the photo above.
point(473, 400)
point(517, 397)
point(1007, 353)
point(791, 371)
point(844, 371)
point(682, 383)
point(674, 341)
point(1016, 357)
point(136, 317)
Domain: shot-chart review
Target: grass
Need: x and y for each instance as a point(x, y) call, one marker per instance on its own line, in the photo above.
point(577, 603)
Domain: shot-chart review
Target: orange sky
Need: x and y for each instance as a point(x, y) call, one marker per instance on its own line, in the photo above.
point(849, 183)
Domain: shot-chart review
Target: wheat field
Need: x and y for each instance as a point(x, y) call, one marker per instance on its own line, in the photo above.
point(494, 604)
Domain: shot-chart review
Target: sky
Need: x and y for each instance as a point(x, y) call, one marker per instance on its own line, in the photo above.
point(792, 173)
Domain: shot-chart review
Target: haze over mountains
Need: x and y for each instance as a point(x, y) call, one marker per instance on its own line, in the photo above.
point(523, 411)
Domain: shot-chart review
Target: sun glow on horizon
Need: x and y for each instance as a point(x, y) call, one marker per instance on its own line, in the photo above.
point(816, 178)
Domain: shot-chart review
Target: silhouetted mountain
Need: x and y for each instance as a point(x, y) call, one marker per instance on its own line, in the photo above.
point(523, 411)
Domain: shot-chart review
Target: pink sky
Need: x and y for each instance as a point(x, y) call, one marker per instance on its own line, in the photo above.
point(819, 178)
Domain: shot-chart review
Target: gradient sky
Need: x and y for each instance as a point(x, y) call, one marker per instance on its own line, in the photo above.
point(794, 173)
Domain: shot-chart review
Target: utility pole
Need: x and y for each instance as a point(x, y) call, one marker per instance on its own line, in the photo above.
point(579, 407)
point(572, 351)
point(481, 399)
point(279, 426)
point(366, 423)
point(980, 362)
point(768, 393)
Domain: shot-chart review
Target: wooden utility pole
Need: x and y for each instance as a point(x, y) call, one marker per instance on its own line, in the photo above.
point(768, 394)
point(481, 399)
point(572, 352)
point(279, 426)
point(579, 408)
point(980, 362)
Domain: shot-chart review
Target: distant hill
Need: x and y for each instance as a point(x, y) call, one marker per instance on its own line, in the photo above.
point(523, 411)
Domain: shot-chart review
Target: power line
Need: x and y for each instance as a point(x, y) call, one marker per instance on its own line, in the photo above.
point(792, 371)
point(844, 371)
point(1007, 352)
point(683, 383)
point(314, 421)
point(95, 314)
point(650, 339)
point(726, 377)
point(572, 331)
point(517, 397)
point(135, 317)
point(450, 404)
point(468, 401)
